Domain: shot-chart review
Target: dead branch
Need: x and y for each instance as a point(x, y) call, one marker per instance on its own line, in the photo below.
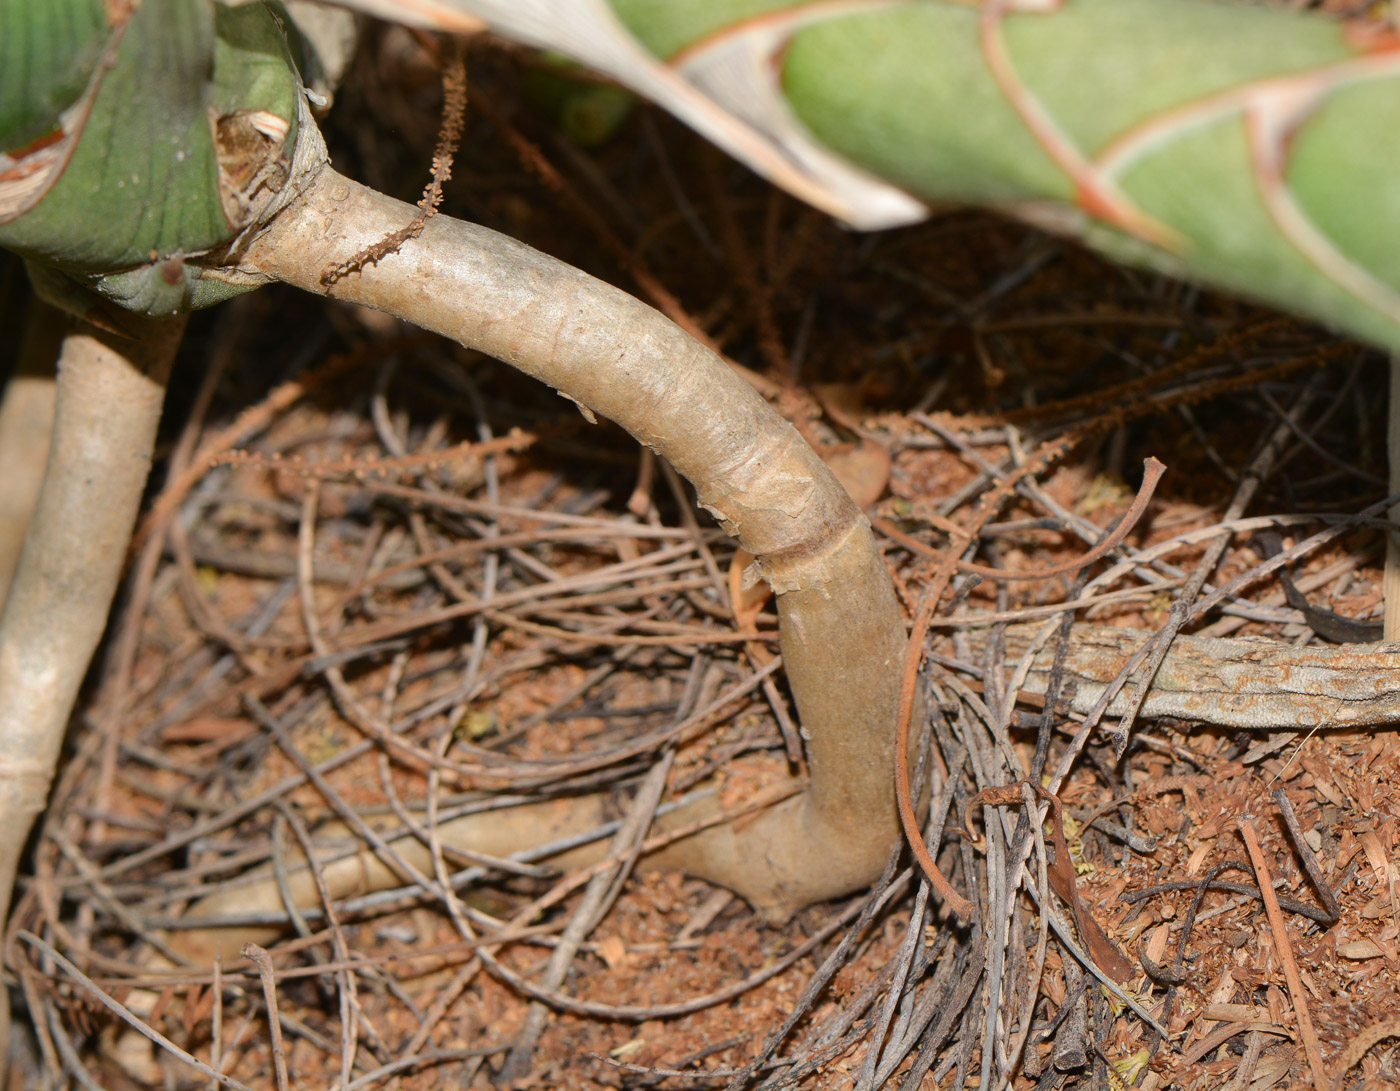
point(1240, 682)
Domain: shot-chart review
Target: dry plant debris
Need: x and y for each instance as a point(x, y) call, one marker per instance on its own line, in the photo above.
point(406, 536)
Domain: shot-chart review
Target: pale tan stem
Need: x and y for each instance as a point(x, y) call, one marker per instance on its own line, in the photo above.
point(26, 419)
point(842, 632)
point(492, 833)
point(1390, 584)
point(109, 397)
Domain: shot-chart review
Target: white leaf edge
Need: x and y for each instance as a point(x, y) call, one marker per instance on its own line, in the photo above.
point(726, 87)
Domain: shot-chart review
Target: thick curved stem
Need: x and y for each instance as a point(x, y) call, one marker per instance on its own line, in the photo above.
point(108, 403)
point(842, 632)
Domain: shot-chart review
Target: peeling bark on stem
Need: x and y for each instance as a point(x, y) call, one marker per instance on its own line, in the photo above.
point(842, 632)
point(109, 397)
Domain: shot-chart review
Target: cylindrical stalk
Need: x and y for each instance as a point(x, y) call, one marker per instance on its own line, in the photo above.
point(108, 403)
point(842, 631)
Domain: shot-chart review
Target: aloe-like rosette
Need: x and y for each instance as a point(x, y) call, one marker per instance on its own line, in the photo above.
point(134, 140)
point(1249, 148)
point(186, 165)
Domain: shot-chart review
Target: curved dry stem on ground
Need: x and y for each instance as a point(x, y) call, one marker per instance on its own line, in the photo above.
point(109, 397)
point(842, 632)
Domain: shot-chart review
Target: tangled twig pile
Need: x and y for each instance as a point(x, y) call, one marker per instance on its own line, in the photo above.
point(400, 636)
point(519, 653)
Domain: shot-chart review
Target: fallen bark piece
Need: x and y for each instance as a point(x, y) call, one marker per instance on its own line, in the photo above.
point(1240, 682)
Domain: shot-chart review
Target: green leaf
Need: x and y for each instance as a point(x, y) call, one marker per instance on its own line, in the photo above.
point(193, 119)
point(143, 180)
point(48, 52)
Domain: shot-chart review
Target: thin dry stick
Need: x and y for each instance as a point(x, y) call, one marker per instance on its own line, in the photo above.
point(914, 935)
point(702, 719)
point(27, 980)
point(125, 1014)
point(625, 844)
point(454, 115)
point(1152, 473)
point(583, 875)
point(529, 912)
point(667, 560)
point(383, 850)
point(903, 796)
point(1018, 1042)
point(914, 656)
point(360, 468)
point(460, 857)
point(1244, 1073)
point(889, 887)
point(912, 1023)
point(432, 1058)
point(1285, 950)
point(1360, 1045)
point(350, 1011)
point(1391, 584)
point(465, 974)
point(1288, 556)
point(249, 423)
point(1153, 470)
point(641, 1013)
point(1237, 344)
point(216, 1019)
point(444, 998)
point(1306, 855)
point(347, 703)
point(1259, 468)
point(263, 961)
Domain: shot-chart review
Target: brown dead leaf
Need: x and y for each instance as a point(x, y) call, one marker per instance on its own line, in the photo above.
point(844, 403)
point(614, 953)
point(208, 729)
point(1360, 950)
point(863, 468)
point(1385, 871)
point(1157, 945)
